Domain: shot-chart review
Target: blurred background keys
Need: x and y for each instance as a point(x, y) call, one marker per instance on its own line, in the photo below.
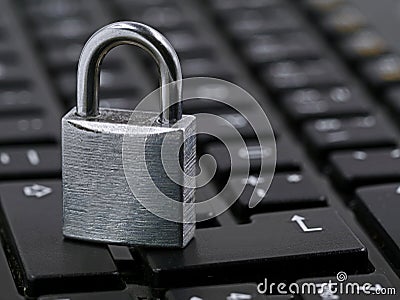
point(37, 161)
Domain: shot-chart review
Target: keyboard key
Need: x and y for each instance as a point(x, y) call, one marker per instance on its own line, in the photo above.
point(393, 99)
point(29, 129)
point(8, 288)
point(244, 22)
point(349, 133)
point(300, 74)
point(113, 82)
point(18, 101)
point(323, 5)
point(286, 158)
point(124, 295)
point(383, 70)
point(363, 45)
point(267, 48)
point(356, 168)
point(272, 244)
point(44, 11)
point(287, 192)
point(219, 292)
point(366, 288)
point(32, 213)
point(162, 17)
point(218, 127)
point(336, 101)
point(76, 29)
point(378, 208)
point(30, 162)
point(344, 20)
point(239, 4)
point(204, 66)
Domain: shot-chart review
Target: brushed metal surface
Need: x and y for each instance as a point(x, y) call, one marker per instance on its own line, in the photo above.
point(98, 203)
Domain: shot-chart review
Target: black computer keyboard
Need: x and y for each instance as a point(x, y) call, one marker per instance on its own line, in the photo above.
point(327, 73)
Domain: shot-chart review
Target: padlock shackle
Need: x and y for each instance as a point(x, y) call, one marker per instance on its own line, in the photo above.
point(145, 37)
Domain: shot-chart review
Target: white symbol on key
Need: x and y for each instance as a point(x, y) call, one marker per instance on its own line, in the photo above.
point(253, 180)
point(5, 158)
point(238, 296)
point(33, 157)
point(300, 221)
point(327, 294)
point(37, 191)
point(196, 298)
point(34, 124)
point(238, 121)
point(254, 152)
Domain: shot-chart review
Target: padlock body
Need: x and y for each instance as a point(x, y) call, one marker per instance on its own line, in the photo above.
point(98, 202)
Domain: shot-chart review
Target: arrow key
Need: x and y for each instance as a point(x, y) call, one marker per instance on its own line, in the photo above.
point(273, 244)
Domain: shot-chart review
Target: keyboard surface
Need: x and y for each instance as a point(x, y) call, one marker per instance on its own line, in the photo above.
point(327, 74)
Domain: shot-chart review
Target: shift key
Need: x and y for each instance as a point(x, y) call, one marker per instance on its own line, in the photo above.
point(32, 215)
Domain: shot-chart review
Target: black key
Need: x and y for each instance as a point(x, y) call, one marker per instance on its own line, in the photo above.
point(363, 287)
point(237, 120)
point(292, 74)
point(275, 244)
point(19, 101)
point(29, 129)
point(113, 82)
point(204, 66)
point(239, 4)
point(219, 292)
point(364, 44)
point(287, 192)
point(30, 162)
point(187, 43)
point(272, 47)
point(166, 17)
point(323, 5)
point(122, 257)
point(8, 289)
point(44, 11)
point(76, 29)
point(65, 56)
point(383, 70)
point(357, 168)
point(344, 19)
point(286, 158)
point(378, 208)
point(13, 75)
point(331, 102)
point(124, 295)
point(32, 213)
point(244, 22)
point(348, 133)
point(393, 99)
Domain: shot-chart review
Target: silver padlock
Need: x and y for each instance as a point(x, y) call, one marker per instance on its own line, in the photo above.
point(98, 203)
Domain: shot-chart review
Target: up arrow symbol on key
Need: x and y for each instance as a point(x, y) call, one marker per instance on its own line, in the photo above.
point(300, 221)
